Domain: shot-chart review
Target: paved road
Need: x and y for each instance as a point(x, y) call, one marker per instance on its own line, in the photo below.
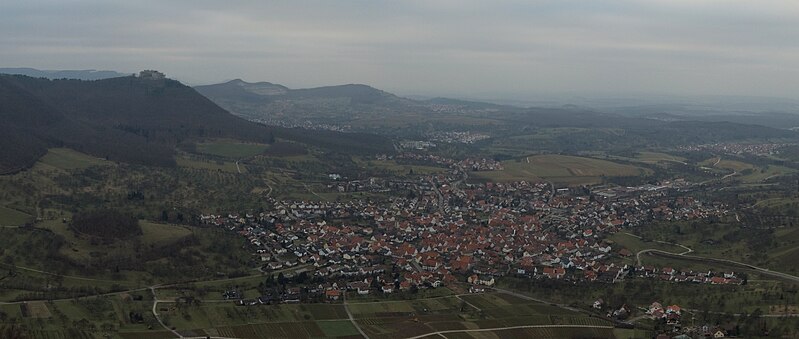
point(155, 314)
point(638, 255)
point(729, 175)
point(439, 333)
point(438, 193)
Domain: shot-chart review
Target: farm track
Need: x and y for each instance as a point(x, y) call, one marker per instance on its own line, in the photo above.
point(441, 333)
point(352, 319)
point(155, 287)
point(312, 192)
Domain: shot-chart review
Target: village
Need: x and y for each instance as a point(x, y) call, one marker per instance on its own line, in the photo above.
point(452, 233)
point(760, 149)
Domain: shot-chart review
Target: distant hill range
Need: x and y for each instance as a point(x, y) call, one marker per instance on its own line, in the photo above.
point(87, 74)
point(365, 109)
point(132, 119)
point(359, 107)
point(266, 92)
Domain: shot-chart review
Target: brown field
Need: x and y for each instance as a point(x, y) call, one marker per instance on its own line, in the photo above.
point(38, 309)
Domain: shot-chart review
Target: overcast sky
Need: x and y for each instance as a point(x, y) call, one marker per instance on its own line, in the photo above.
point(465, 48)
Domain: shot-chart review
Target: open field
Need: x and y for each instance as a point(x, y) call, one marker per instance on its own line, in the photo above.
point(746, 172)
point(651, 157)
point(769, 248)
point(657, 157)
point(384, 319)
point(341, 328)
point(68, 159)
point(399, 319)
point(12, 217)
point(162, 234)
point(162, 254)
point(762, 173)
point(231, 149)
point(636, 244)
point(396, 169)
point(721, 162)
point(153, 236)
point(224, 166)
point(565, 169)
point(543, 333)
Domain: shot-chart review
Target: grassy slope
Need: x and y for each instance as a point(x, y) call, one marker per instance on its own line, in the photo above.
point(65, 158)
point(12, 217)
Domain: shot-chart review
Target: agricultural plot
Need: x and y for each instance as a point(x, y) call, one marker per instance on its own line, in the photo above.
point(564, 169)
point(148, 334)
point(61, 334)
point(397, 169)
point(384, 309)
point(326, 311)
point(37, 310)
point(393, 319)
point(647, 157)
point(657, 157)
point(274, 330)
point(554, 333)
point(231, 149)
point(487, 301)
point(341, 328)
point(391, 328)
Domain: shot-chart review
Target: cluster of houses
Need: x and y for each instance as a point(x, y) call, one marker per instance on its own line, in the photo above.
point(689, 276)
point(481, 164)
point(375, 185)
point(449, 232)
point(466, 137)
point(470, 164)
point(671, 314)
point(760, 149)
point(417, 144)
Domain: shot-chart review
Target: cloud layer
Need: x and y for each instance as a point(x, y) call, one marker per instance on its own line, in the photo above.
point(467, 48)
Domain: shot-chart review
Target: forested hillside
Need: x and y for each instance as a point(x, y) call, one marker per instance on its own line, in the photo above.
point(130, 119)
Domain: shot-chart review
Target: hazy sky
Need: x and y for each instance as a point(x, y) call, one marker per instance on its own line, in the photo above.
point(466, 48)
